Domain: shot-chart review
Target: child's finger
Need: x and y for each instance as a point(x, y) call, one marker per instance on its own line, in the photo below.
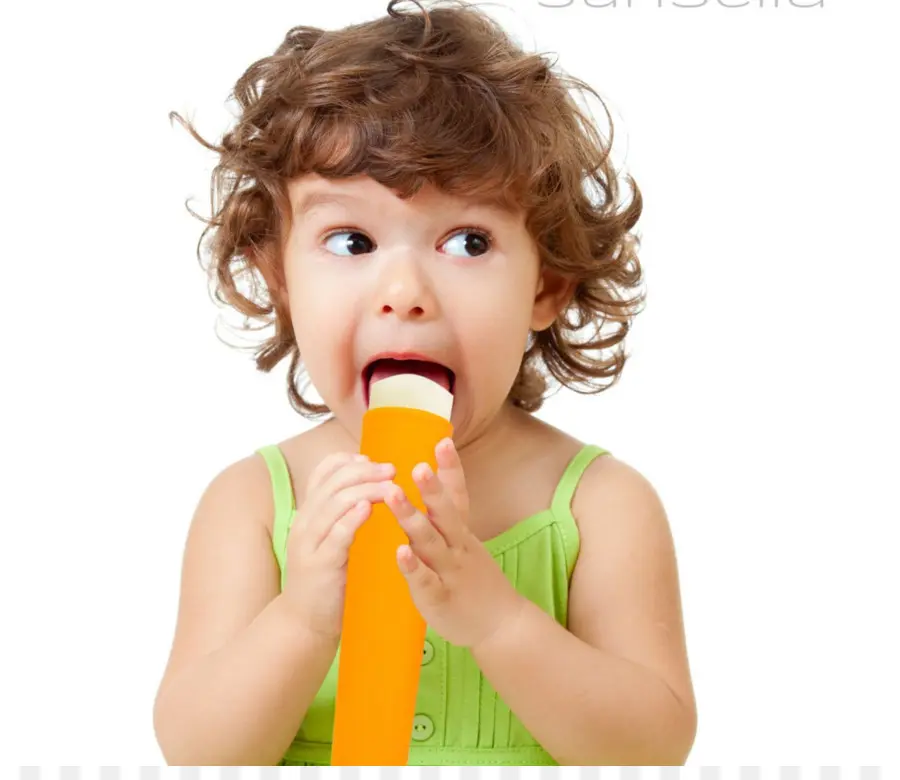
point(451, 475)
point(441, 509)
point(324, 515)
point(354, 473)
point(421, 579)
point(424, 539)
point(335, 547)
point(328, 466)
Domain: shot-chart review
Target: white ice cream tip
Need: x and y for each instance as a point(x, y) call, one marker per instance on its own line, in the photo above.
point(411, 391)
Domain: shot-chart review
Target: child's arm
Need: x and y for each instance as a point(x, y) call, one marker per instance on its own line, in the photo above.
point(614, 689)
point(242, 670)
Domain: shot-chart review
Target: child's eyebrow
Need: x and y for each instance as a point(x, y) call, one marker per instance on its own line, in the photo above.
point(316, 198)
point(313, 199)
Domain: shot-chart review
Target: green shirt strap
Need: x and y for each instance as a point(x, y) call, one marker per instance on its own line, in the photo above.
point(561, 504)
point(568, 482)
point(283, 496)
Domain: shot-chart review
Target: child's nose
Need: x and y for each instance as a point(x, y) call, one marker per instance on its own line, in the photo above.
point(405, 293)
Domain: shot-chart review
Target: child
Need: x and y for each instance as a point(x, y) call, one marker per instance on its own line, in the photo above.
point(409, 194)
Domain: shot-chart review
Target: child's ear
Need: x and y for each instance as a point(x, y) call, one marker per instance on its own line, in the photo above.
point(554, 293)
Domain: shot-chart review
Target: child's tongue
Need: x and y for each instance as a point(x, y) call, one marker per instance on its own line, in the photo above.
point(390, 367)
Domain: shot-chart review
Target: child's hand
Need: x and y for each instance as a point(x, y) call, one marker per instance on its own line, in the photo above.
point(339, 497)
point(455, 583)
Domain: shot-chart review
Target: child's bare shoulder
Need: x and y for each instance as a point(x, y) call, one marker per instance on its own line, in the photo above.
point(242, 490)
point(608, 490)
point(306, 450)
point(615, 497)
point(624, 594)
point(522, 479)
point(229, 571)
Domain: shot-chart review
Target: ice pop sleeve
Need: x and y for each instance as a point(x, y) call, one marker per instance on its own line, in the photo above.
point(383, 633)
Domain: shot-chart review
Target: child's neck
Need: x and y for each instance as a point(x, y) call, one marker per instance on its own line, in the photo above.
point(492, 444)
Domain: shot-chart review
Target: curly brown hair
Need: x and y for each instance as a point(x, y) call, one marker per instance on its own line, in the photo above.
point(442, 97)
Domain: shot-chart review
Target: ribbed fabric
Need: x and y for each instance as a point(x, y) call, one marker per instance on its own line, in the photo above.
point(460, 719)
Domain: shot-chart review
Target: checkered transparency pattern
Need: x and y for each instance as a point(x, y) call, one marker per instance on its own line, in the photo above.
point(452, 773)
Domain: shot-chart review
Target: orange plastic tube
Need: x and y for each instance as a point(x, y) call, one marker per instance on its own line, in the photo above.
point(383, 633)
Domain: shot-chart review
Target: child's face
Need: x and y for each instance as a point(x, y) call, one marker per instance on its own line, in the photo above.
point(369, 273)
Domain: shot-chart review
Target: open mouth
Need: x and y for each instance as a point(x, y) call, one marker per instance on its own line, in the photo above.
point(381, 368)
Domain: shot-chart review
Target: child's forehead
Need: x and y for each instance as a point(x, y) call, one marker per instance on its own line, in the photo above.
point(312, 192)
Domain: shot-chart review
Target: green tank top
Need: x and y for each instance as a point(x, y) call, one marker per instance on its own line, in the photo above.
point(459, 720)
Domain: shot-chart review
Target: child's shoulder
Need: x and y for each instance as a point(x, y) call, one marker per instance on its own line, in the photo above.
point(243, 489)
point(527, 475)
point(240, 493)
point(622, 523)
point(303, 452)
point(605, 484)
point(613, 491)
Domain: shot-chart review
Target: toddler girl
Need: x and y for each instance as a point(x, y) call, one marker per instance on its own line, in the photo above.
point(418, 194)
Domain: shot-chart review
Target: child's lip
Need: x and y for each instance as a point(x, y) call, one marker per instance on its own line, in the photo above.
point(402, 355)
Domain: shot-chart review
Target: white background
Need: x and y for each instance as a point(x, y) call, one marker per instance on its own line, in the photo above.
point(760, 398)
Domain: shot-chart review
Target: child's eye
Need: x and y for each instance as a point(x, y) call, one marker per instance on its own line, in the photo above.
point(475, 241)
point(357, 243)
point(349, 243)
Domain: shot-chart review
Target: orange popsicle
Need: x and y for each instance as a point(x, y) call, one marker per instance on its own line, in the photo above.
point(383, 633)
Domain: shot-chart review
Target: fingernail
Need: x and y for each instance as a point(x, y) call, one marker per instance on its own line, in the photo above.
point(425, 472)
